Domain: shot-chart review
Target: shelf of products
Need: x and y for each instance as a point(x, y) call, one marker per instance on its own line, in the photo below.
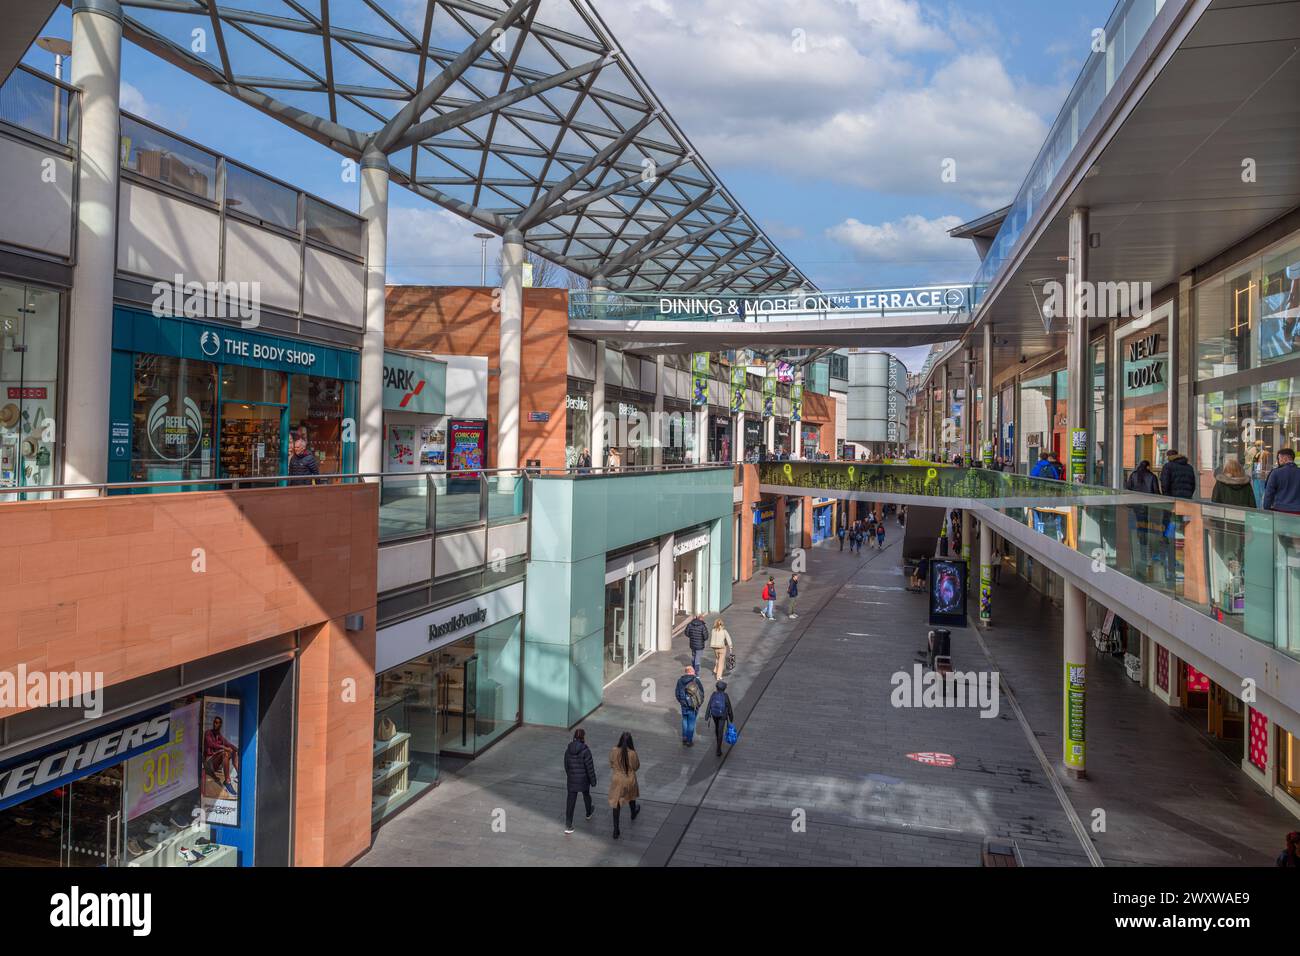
point(391, 776)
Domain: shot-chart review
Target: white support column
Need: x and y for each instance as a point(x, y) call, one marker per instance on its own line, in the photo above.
point(969, 450)
point(660, 428)
point(702, 435)
point(986, 574)
point(373, 207)
point(97, 70)
point(1074, 683)
point(598, 410)
point(738, 440)
point(1076, 343)
point(945, 416)
point(967, 534)
point(664, 594)
point(769, 434)
point(987, 430)
point(796, 427)
point(512, 327)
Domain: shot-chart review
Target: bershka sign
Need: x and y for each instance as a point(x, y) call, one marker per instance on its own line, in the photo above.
point(30, 776)
point(456, 623)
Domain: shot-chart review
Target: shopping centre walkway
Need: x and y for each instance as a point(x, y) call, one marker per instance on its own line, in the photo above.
point(821, 774)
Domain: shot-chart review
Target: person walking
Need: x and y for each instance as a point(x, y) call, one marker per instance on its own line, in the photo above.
point(1143, 480)
point(842, 535)
point(697, 635)
point(614, 460)
point(1177, 477)
point(580, 775)
point(1282, 489)
point(769, 598)
point(623, 765)
point(1289, 858)
point(720, 713)
point(690, 694)
point(792, 592)
point(303, 465)
point(1044, 468)
point(1232, 486)
point(584, 462)
point(720, 644)
point(996, 558)
point(880, 535)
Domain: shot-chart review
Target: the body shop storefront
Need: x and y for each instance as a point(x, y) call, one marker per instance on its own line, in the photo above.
point(195, 401)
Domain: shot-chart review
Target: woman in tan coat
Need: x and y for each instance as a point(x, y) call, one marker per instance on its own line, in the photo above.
point(623, 765)
point(720, 644)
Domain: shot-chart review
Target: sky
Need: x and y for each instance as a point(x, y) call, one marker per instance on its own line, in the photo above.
point(832, 122)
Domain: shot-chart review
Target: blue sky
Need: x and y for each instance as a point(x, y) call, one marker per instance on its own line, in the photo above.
point(829, 120)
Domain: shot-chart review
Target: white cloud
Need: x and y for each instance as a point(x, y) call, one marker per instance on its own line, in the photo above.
point(911, 240)
point(432, 246)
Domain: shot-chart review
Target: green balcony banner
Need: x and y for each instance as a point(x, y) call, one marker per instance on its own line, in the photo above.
point(737, 389)
point(699, 378)
point(769, 391)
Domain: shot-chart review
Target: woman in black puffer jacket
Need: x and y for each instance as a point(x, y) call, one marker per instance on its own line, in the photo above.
point(580, 771)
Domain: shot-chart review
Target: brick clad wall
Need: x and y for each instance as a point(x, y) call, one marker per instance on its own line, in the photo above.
point(460, 320)
point(820, 410)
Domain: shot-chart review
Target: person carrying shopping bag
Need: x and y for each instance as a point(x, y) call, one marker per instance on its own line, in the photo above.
point(722, 716)
point(720, 644)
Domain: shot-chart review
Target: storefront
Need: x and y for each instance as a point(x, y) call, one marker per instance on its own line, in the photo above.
point(196, 401)
point(782, 434)
point(810, 438)
point(677, 431)
point(577, 421)
point(631, 621)
point(1144, 372)
point(415, 413)
point(30, 404)
point(823, 519)
point(446, 682)
point(719, 437)
point(755, 434)
point(632, 430)
point(172, 785)
point(793, 523)
point(690, 573)
point(764, 534)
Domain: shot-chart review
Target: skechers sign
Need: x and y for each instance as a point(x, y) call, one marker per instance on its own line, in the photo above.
point(30, 776)
point(739, 308)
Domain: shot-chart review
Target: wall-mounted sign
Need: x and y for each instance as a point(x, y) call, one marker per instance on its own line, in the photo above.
point(414, 384)
point(457, 622)
point(743, 308)
point(539, 416)
point(693, 543)
point(404, 641)
point(27, 393)
point(1144, 366)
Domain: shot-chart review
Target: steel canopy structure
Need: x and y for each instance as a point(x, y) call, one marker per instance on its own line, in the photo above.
point(519, 115)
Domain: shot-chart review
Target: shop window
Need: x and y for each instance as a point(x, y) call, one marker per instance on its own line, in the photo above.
point(1250, 315)
point(316, 410)
point(1288, 761)
point(173, 419)
point(29, 387)
point(1257, 739)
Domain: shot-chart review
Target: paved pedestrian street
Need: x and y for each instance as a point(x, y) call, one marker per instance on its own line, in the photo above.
point(821, 774)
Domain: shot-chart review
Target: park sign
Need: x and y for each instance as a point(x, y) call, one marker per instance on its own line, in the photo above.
point(742, 308)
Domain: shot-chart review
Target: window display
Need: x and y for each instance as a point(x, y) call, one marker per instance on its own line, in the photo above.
point(1143, 358)
point(1250, 424)
point(1249, 315)
point(29, 388)
point(174, 403)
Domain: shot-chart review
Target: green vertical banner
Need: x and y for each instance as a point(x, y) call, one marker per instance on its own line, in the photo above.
point(987, 454)
point(796, 402)
point(700, 378)
point(737, 389)
point(769, 391)
point(986, 592)
point(1076, 686)
point(1079, 455)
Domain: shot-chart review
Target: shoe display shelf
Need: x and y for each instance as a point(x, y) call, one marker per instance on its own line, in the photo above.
point(391, 775)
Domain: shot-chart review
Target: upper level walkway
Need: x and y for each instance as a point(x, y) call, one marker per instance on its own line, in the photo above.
point(879, 318)
point(1217, 584)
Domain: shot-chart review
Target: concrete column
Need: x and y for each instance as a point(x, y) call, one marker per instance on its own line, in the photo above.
point(702, 435)
point(968, 436)
point(986, 575)
point(967, 533)
point(598, 410)
point(1076, 347)
point(987, 435)
point(796, 427)
point(769, 435)
point(738, 439)
point(1074, 682)
point(660, 430)
point(373, 206)
point(944, 415)
point(512, 329)
point(97, 70)
point(664, 594)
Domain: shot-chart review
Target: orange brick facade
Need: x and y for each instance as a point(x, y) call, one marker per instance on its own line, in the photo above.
point(132, 585)
point(459, 320)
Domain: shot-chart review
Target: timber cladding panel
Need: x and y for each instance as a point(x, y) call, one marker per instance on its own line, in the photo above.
point(458, 320)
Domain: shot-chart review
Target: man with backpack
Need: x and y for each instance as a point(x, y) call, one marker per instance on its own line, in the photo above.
point(842, 536)
point(720, 713)
point(769, 599)
point(697, 634)
point(690, 694)
point(792, 591)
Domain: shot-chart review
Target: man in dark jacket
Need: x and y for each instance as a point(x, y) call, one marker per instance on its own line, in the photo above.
point(1282, 490)
point(1177, 477)
point(697, 633)
point(302, 463)
point(1143, 479)
point(580, 771)
point(690, 694)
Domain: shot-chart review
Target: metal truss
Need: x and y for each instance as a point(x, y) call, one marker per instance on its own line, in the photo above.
point(520, 115)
